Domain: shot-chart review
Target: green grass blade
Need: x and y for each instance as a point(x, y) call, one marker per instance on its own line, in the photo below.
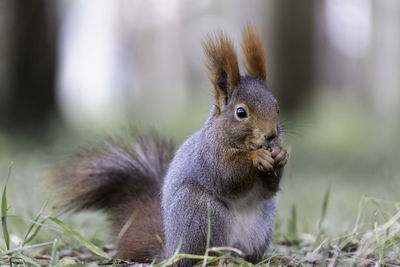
point(126, 226)
point(212, 260)
point(4, 218)
point(54, 259)
point(360, 214)
point(34, 223)
point(173, 258)
point(31, 227)
point(292, 226)
point(92, 247)
point(324, 207)
point(51, 228)
point(208, 234)
point(151, 264)
point(33, 235)
point(28, 260)
point(11, 251)
point(4, 209)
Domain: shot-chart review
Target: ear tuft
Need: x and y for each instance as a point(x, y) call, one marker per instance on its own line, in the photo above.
point(253, 51)
point(222, 64)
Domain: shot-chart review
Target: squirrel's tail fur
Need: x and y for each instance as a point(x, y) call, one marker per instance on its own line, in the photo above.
point(125, 182)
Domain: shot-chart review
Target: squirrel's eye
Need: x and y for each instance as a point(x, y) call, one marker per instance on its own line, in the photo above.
point(278, 110)
point(241, 113)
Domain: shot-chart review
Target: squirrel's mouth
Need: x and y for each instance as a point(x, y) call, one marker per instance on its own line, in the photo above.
point(253, 146)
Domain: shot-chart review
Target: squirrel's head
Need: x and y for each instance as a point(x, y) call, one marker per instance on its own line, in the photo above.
point(245, 109)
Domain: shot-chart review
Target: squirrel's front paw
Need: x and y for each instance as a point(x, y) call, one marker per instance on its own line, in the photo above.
point(263, 160)
point(280, 156)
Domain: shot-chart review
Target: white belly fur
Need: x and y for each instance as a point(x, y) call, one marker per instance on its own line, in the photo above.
point(251, 223)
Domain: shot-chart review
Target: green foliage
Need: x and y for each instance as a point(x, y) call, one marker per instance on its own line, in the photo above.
point(93, 248)
point(174, 258)
point(35, 227)
point(292, 225)
point(4, 209)
point(324, 208)
point(208, 234)
point(54, 254)
point(28, 260)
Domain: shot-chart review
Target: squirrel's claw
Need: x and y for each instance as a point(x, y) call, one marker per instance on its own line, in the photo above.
point(280, 156)
point(263, 161)
point(270, 161)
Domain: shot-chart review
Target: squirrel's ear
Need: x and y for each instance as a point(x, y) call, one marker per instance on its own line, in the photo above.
point(222, 65)
point(253, 51)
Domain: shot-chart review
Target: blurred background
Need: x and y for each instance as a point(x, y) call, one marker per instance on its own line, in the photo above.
point(71, 71)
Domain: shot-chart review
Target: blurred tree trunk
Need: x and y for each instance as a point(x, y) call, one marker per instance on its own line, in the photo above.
point(293, 64)
point(383, 69)
point(29, 97)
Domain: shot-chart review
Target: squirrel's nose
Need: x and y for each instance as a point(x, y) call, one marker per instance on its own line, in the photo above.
point(270, 137)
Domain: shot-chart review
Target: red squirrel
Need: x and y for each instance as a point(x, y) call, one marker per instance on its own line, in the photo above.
point(234, 164)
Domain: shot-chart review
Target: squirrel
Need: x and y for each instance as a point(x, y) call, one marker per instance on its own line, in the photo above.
point(232, 167)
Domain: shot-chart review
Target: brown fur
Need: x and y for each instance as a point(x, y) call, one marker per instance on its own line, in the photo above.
point(140, 242)
point(222, 65)
point(253, 51)
point(121, 180)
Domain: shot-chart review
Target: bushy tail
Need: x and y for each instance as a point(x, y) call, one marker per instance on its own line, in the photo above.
point(124, 180)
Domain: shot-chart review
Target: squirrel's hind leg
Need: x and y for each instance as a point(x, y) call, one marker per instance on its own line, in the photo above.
point(142, 241)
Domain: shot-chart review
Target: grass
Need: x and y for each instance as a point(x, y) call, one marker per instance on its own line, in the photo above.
point(339, 204)
point(373, 241)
